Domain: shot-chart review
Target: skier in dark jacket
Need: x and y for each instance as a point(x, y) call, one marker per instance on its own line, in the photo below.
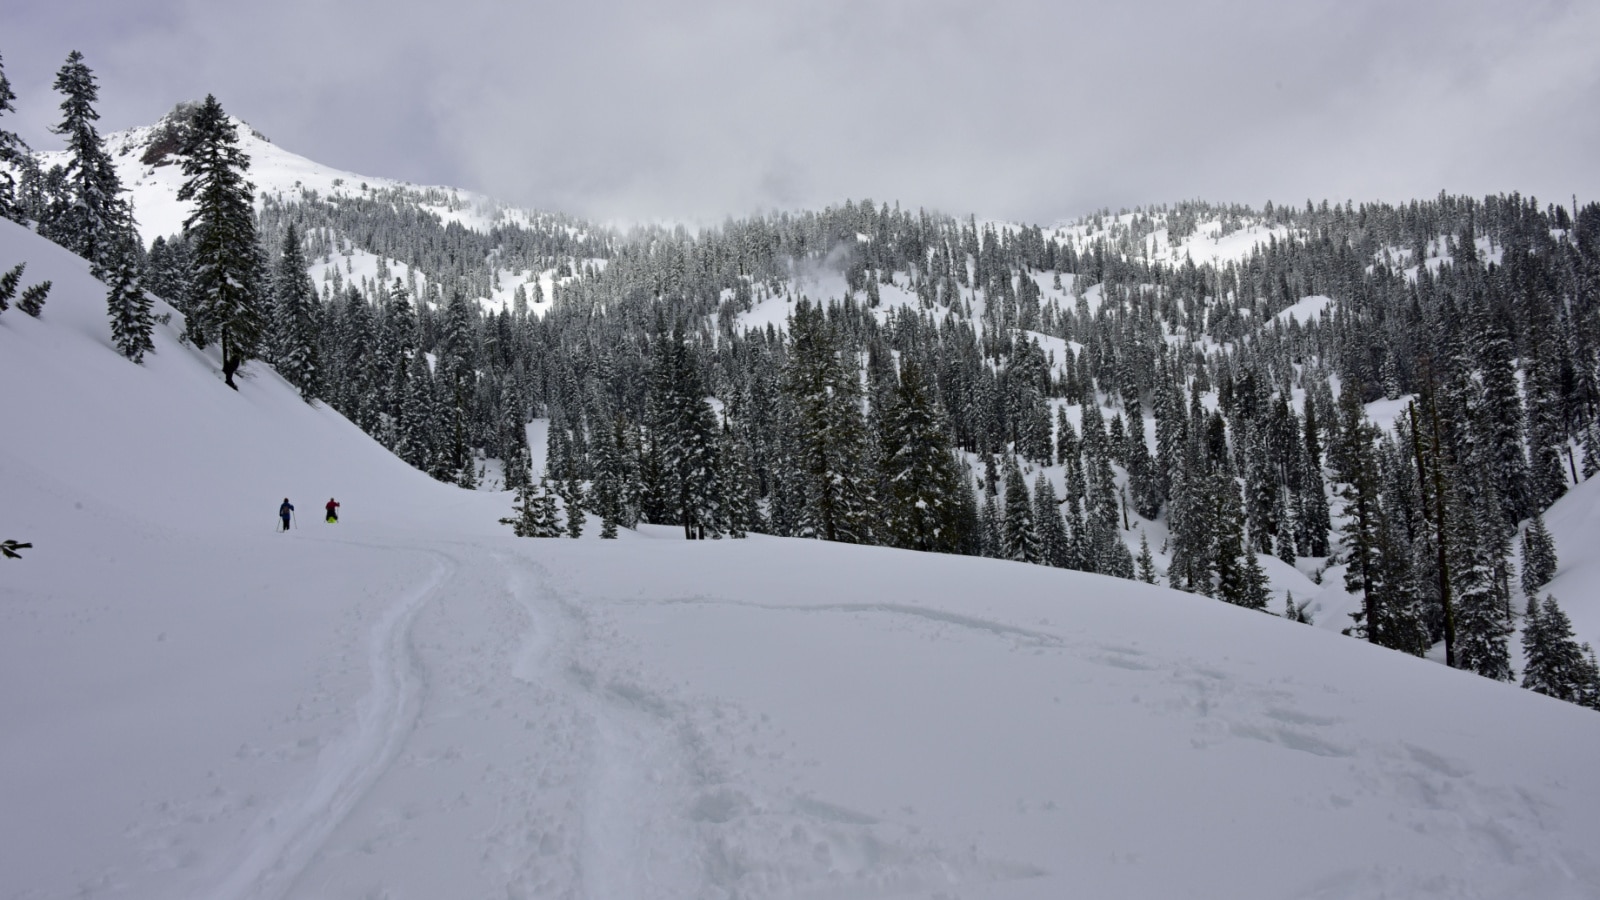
point(333, 510)
point(285, 511)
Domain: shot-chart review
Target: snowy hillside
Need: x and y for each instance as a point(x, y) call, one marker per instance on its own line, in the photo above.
point(148, 165)
point(413, 704)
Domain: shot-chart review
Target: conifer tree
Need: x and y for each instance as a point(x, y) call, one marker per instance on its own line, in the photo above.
point(166, 271)
point(1498, 418)
point(1053, 547)
point(1481, 626)
point(1538, 556)
point(228, 303)
point(32, 299)
point(606, 493)
point(128, 305)
point(1356, 464)
point(454, 377)
point(12, 151)
point(1020, 541)
point(1147, 561)
point(1311, 518)
point(738, 485)
point(684, 437)
point(822, 382)
point(923, 486)
point(413, 431)
point(572, 500)
point(295, 326)
point(1556, 665)
point(536, 514)
point(97, 216)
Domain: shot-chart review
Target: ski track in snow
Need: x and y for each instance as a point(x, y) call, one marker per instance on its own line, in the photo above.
point(633, 842)
point(284, 843)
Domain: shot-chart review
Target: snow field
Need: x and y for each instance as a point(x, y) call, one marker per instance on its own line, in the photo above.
point(414, 704)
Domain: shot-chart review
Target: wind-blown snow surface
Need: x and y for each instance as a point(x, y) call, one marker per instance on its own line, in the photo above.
point(412, 704)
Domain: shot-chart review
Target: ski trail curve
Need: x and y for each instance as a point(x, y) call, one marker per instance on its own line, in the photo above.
point(281, 845)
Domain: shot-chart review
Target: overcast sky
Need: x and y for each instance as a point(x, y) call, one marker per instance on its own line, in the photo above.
point(695, 110)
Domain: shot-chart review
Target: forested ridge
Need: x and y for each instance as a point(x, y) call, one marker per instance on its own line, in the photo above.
point(867, 373)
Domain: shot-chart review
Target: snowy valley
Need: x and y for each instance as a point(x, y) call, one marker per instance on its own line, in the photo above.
point(414, 703)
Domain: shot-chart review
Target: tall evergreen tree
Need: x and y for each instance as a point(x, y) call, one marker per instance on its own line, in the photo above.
point(295, 326)
point(1556, 665)
point(1020, 538)
point(822, 382)
point(1538, 556)
point(1482, 629)
point(97, 216)
point(1053, 546)
point(922, 480)
point(12, 151)
point(228, 303)
point(127, 304)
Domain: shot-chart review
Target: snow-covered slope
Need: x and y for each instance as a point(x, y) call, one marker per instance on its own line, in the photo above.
point(412, 704)
point(150, 171)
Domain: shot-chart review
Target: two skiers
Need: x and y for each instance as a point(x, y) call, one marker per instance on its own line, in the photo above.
point(286, 512)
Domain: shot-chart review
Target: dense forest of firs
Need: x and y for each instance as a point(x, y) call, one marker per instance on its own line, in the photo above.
point(929, 423)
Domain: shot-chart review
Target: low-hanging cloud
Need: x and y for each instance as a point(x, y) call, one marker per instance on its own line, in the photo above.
point(1034, 111)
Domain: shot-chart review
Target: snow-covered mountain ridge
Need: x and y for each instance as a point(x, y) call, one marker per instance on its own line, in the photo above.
point(411, 703)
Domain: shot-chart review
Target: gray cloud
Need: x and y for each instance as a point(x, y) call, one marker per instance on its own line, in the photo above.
point(694, 110)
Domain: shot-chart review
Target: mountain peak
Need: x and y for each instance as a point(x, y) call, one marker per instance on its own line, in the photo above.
point(159, 144)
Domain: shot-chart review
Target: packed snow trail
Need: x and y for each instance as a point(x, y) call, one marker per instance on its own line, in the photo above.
point(519, 762)
point(281, 845)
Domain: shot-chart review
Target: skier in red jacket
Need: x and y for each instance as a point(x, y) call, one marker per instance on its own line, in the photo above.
point(333, 510)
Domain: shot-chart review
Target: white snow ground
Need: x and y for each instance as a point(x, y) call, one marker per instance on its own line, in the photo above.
point(413, 704)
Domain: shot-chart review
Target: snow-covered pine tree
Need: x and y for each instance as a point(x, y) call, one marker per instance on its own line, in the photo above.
point(923, 483)
point(1556, 664)
point(572, 500)
point(97, 216)
point(1020, 541)
point(12, 150)
point(605, 494)
point(295, 312)
point(822, 383)
point(1538, 556)
point(166, 271)
point(33, 297)
point(683, 433)
point(1053, 549)
point(1146, 561)
point(413, 431)
point(1356, 463)
point(1481, 627)
point(1591, 449)
point(1311, 518)
point(8, 285)
point(127, 304)
point(1545, 427)
point(356, 390)
point(740, 511)
point(535, 510)
point(1498, 416)
point(454, 376)
point(228, 299)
